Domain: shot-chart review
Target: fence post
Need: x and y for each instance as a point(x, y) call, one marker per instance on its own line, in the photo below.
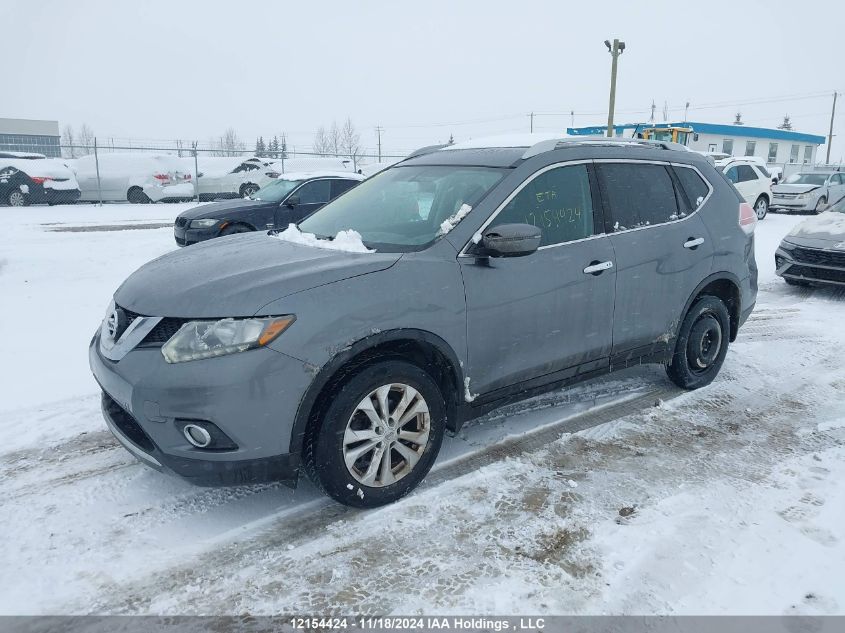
point(97, 165)
point(196, 173)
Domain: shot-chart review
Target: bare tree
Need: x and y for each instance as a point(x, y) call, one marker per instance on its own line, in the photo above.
point(230, 144)
point(322, 144)
point(335, 138)
point(350, 142)
point(86, 138)
point(68, 142)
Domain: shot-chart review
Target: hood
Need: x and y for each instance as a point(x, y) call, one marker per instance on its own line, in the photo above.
point(824, 228)
point(793, 188)
point(235, 276)
point(225, 208)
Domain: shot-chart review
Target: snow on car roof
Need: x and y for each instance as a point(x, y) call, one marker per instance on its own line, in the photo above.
point(306, 175)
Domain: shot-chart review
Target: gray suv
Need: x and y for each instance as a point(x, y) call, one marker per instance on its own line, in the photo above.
point(455, 282)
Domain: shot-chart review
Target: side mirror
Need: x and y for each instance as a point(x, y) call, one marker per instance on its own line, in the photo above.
point(200, 175)
point(292, 201)
point(510, 240)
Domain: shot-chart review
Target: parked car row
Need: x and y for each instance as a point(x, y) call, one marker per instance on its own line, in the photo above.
point(456, 281)
point(143, 178)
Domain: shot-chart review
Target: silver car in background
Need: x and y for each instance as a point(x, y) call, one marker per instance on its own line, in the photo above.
point(808, 191)
point(814, 251)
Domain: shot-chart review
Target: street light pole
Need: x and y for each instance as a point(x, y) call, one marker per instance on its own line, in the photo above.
point(615, 50)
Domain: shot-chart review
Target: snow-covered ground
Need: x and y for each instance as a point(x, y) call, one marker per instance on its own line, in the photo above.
point(619, 496)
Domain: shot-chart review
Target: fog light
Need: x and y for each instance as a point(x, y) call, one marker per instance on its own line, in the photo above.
point(196, 435)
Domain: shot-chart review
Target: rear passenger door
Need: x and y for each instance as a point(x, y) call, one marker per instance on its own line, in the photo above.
point(663, 251)
point(547, 315)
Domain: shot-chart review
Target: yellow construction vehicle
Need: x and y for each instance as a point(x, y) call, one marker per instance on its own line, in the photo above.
point(672, 133)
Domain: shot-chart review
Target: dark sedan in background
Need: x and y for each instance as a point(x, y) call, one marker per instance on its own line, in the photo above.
point(814, 251)
point(289, 199)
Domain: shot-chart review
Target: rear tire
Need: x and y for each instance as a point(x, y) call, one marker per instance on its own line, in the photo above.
point(249, 189)
point(136, 195)
point(17, 198)
point(761, 207)
point(702, 344)
point(357, 442)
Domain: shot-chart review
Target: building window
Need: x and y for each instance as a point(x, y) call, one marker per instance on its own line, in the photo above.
point(793, 154)
point(773, 153)
point(808, 154)
point(750, 146)
point(711, 147)
point(728, 146)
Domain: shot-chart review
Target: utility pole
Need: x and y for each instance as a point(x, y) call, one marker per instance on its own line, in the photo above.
point(531, 128)
point(615, 50)
point(379, 130)
point(830, 135)
point(572, 117)
point(686, 112)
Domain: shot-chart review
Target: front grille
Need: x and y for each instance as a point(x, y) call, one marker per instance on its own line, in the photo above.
point(180, 222)
point(162, 332)
point(819, 274)
point(786, 196)
point(127, 425)
point(819, 257)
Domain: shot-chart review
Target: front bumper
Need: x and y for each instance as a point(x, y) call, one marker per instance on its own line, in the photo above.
point(793, 204)
point(252, 397)
point(813, 265)
point(186, 236)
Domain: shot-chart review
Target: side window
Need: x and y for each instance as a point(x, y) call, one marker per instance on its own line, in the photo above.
point(558, 202)
point(639, 194)
point(340, 185)
point(733, 174)
point(695, 188)
point(746, 173)
point(315, 192)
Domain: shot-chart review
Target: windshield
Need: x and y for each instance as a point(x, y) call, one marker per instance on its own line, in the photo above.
point(806, 179)
point(276, 191)
point(402, 208)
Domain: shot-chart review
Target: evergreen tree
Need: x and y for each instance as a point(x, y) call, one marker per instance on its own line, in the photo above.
point(284, 147)
point(451, 140)
point(260, 147)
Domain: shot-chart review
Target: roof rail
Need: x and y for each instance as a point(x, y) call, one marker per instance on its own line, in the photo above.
point(551, 144)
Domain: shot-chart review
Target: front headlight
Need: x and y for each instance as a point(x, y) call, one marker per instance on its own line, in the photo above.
point(207, 339)
point(204, 223)
point(803, 196)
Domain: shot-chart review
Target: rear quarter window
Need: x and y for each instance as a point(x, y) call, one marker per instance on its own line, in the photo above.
point(693, 184)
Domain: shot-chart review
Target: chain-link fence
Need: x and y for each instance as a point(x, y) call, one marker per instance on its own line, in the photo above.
point(181, 170)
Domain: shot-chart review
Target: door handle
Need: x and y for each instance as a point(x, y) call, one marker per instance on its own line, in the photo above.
point(597, 267)
point(693, 242)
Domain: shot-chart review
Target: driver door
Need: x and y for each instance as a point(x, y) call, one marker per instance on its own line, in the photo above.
point(547, 315)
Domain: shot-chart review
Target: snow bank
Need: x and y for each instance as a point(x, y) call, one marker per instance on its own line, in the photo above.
point(452, 221)
point(348, 241)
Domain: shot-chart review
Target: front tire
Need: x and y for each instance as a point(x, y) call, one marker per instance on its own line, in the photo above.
point(821, 205)
point(761, 207)
point(379, 436)
point(233, 229)
point(17, 198)
point(702, 344)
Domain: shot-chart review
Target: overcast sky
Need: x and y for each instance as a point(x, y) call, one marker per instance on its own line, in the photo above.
point(165, 69)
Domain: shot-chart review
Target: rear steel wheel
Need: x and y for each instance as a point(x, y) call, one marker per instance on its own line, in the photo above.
point(702, 344)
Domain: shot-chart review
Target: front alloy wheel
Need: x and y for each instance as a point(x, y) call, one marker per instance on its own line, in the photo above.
point(379, 435)
point(386, 434)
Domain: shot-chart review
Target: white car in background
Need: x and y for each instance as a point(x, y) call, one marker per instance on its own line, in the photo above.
point(752, 181)
point(136, 178)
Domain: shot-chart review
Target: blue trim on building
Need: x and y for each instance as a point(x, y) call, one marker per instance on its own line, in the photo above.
point(717, 129)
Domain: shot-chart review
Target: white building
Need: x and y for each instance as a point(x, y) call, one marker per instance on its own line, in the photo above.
point(774, 145)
